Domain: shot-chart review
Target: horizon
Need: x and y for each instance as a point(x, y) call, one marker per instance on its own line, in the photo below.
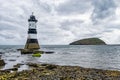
point(60, 22)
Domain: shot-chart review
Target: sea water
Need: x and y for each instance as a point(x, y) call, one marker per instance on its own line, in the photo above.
point(88, 56)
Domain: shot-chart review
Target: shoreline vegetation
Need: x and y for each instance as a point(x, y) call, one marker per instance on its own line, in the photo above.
point(56, 72)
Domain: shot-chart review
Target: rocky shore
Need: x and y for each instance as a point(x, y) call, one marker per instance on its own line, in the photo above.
point(55, 72)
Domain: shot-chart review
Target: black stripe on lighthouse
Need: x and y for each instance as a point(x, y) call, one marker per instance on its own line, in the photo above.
point(32, 41)
point(33, 31)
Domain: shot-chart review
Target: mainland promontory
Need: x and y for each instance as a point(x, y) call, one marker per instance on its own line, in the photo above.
point(89, 41)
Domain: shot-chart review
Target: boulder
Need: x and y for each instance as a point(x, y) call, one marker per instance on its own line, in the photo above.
point(50, 66)
point(18, 65)
point(32, 64)
point(49, 52)
point(2, 62)
point(12, 69)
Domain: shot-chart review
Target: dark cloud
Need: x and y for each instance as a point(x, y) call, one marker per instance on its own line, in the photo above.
point(74, 6)
point(103, 9)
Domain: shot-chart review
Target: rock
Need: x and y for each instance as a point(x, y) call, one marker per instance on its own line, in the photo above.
point(89, 41)
point(44, 64)
point(28, 51)
point(41, 52)
point(50, 67)
point(0, 56)
point(12, 69)
point(32, 65)
point(26, 79)
point(36, 55)
point(1, 52)
point(4, 71)
point(2, 63)
point(12, 60)
point(49, 52)
point(19, 49)
point(18, 65)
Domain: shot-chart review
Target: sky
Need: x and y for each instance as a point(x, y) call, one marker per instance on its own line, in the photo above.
point(60, 21)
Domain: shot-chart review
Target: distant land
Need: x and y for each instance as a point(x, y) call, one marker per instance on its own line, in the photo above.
point(89, 41)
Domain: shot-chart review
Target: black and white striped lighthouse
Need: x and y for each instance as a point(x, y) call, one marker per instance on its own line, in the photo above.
point(32, 42)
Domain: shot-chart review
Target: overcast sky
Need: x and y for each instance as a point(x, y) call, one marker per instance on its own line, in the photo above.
point(60, 21)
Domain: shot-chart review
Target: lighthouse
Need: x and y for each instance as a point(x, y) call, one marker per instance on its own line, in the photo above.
point(32, 42)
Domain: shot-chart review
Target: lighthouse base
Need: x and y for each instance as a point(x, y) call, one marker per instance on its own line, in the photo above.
point(28, 51)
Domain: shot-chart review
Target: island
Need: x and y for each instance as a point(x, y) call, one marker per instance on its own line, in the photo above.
point(89, 41)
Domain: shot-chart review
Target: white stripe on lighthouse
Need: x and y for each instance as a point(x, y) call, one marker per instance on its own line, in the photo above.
point(32, 25)
point(32, 36)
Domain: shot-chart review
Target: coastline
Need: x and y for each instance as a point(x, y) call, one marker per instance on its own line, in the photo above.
point(56, 72)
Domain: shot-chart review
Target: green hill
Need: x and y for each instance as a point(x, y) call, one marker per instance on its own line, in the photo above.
point(89, 41)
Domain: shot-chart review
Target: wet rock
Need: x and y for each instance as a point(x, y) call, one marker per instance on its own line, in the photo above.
point(41, 52)
point(2, 62)
point(50, 67)
point(12, 60)
point(49, 52)
point(32, 64)
point(4, 71)
point(17, 56)
point(44, 64)
point(19, 49)
point(0, 56)
point(1, 52)
point(12, 69)
point(18, 65)
point(25, 79)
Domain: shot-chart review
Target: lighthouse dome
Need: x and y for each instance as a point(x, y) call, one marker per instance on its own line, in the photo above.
point(32, 18)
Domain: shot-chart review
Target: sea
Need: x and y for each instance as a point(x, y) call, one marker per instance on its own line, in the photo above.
point(105, 57)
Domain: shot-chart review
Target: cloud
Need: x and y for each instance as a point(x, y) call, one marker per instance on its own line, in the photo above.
point(103, 9)
point(73, 7)
point(60, 21)
point(112, 37)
